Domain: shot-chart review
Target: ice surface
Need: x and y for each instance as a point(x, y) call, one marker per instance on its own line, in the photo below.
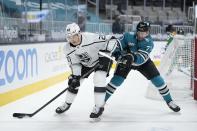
point(127, 110)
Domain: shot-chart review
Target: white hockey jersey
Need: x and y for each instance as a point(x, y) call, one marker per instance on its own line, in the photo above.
point(87, 53)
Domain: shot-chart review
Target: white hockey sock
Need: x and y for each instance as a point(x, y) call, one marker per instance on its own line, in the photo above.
point(99, 99)
point(100, 88)
point(70, 97)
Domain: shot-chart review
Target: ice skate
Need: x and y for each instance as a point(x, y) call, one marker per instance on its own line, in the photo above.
point(62, 108)
point(173, 106)
point(96, 113)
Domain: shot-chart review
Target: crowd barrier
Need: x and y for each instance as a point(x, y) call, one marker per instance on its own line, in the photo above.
point(14, 30)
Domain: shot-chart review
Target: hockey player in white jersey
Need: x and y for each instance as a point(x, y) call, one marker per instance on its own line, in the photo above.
point(82, 51)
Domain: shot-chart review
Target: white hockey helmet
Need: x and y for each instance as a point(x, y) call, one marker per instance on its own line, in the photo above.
point(72, 29)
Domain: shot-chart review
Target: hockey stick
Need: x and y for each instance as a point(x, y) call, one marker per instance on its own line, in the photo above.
point(21, 115)
point(105, 55)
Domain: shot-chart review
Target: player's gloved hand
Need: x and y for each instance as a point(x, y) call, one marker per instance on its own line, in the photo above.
point(73, 81)
point(126, 60)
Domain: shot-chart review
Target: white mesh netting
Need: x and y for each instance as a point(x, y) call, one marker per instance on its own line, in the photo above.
point(176, 68)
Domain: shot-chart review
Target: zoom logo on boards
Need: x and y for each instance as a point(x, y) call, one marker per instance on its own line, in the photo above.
point(21, 65)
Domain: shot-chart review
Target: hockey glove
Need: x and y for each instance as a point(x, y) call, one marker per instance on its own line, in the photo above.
point(116, 55)
point(74, 81)
point(126, 61)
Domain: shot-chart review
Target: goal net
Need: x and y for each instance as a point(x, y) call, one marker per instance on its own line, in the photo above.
point(177, 69)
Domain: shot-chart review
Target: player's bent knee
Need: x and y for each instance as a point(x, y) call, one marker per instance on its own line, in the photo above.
point(117, 80)
point(73, 90)
point(121, 71)
point(158, 81)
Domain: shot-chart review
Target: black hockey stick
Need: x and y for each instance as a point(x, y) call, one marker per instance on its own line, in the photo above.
point(21, 115)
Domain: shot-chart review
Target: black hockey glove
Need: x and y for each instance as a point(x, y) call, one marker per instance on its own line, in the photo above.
point(116, 55)
point(126, 60)
point(73, 81)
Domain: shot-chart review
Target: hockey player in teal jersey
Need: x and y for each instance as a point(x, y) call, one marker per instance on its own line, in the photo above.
point(134, 54)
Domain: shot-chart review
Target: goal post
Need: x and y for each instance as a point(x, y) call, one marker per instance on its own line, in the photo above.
point(178, 69)
point(195, 69)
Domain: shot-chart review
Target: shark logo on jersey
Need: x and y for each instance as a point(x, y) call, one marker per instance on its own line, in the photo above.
point(84, 57)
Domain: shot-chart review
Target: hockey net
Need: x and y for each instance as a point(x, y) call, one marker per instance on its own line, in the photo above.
point(177, 67)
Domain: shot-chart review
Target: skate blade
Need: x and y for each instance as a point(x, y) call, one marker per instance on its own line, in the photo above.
point(93, 120)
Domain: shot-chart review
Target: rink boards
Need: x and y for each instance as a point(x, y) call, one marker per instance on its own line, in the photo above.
point(28, 68)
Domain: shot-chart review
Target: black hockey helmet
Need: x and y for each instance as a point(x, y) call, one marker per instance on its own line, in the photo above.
point(170, 29)
point(143, 26)
point(180, 32)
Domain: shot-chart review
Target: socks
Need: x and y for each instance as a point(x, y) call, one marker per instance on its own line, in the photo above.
point(162, 88)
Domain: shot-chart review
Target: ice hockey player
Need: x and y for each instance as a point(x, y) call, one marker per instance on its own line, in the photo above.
point(136, 47)
point(82, 52)
point(171, 32)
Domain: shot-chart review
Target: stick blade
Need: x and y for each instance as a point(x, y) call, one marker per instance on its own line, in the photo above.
point(21, 115)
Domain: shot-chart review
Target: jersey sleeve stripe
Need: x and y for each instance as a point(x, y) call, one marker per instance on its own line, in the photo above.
point(71, 52)
point(119, 44)
point(141, 55)
point(93, 43)
point(105, 51)
point(143, 52)
point(111, 50)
